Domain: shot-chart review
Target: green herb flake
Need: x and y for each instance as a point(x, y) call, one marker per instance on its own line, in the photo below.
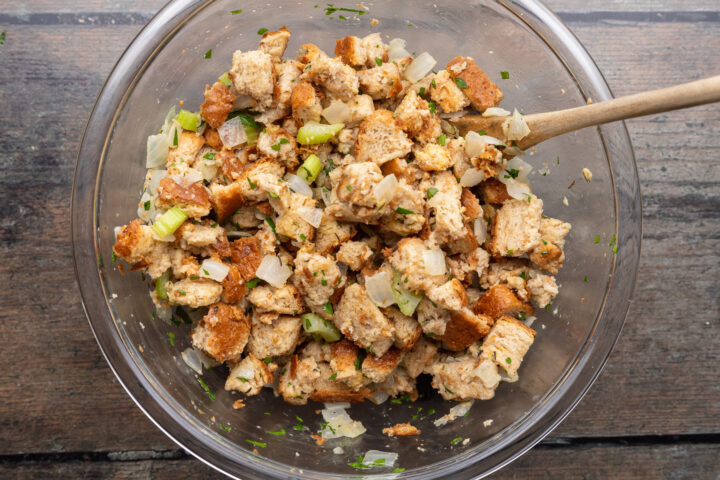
point(612, 240)
point(431, 106)
point(349, 188)
point(303, 237)
point(512, 173)
point(505, 75)
point(299, 427)
point(208, 54)
point(257, 444)
point(547, 307)
point(333, 376)
point(253, 186)
point(175, 139)
point(508, 360)
point(358, 463)
point(323, 282)
point(455, 440)
point(597, 239)
point(146, 205)
point(398, 470)
point(378, 61)
point(421, 92)
point(227, 428)
point(235, 12)
point(442, 139)
point(328, 308)
point(262, 31)
point(522, 275)
point(615, 249)
point(396, 401)
point(433, 84)
point(449, 391)
point(510, 252)
point(209, 156)
point(461, 83)
point(585, 279)
point(206, 388)
point(403, 211)
point(171, 338)
point(431, 192)
point(242, 379)
point(2, 38)
point(430, 411)
point(277, 433)
point(267, 360)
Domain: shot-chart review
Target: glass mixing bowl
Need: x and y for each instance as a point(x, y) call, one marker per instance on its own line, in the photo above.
point(549, 70)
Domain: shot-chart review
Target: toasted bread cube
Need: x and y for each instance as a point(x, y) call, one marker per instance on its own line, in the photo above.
point(406, 213)
point(326, 390)
point(345, 363)
point(419, 357)
point(447, 94)
point(317, 277)
point(507, 343)
point(192, 198)
point(361, 107)
point(381, 82)
point(194, 293)
point(433, 158)
point(465, 379)
point(275, 43)
point(380, 139)
point(276, 142)
point(340, 81)
point(401, 430)
point(450, 227)
point(494, 191)
point(297, 379)
point(450, 295)
point(351, 51)
point(287, 74)
point(481, 91)
point(374, 48)
point(465, 328)
point(548, 253)
point(284, 300)
point(414, 116)
point(360, 320)
point(306, 106)
point(218, 104)
point(399, 383)
point(249, 376)
point(433, 319)
point(234, 288)
point(252, 74)
point(182, 156)
point(516, 227)
point(408, 259)
point(377, 369)
point(245, 253)
point(332, 233)
point(501, 301)
point(134, 241)
point(471, 205)
point(355, 255)
point(222, 333)
point(275, 340)
point(407, 329)
point(542, 288)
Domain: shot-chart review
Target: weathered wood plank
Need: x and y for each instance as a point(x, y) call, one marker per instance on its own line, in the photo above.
point(596, 461)
point(76, 406)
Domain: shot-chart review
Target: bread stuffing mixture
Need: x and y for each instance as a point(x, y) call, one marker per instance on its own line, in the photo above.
point(336, 235)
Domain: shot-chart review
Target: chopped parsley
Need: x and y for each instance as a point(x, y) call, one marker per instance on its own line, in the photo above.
point(482, 132)
point(442, 139)
point(278, 433)
point(512, 173)
point(431, 192)
point(227, 428)
point(242, 379)
point(612, 240)
point(330, 9)
point(510, 252)
point(505, 75)
point(328, 308)
point(209, 156)
point(597, 239)
point(421, 92)
point(267, 360)
point(146, 205)
point(235, 12)
point(403, 211)
point(349, 188)
point(461, 83)
point(521, 316)
point(257, 444)
point(522, 275)
point(206, 388)
point(208, 54)
point(171, 338)
point(455, 440)
point(430, 411)
point(359, 359)
point(431, 106)
point(508, 360)
point(323, 282)
point(114, 257)
point(280, 142)
point(585, 279)
point(396, 401)
point(303, 237)
point(358, 463)
point(378, 61)
point(2, 38)
point(433, 84)
point(273, 195)
point(449, 391)
point(272, 225)
point(253, 186)
point(614, 249)
point(175, 139)
point(182, 292)
point(398, 470)
point(262, 31)
point(333, 376)
point(252, 283)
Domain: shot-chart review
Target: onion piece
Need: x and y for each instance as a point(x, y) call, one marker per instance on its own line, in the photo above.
point(472, 177)
point(516, 187)
point(480, 230)
point(379, 289)
point(487, 372)
point(313, 216)
point(337, 112)
point(191, 358)
point(495, 112)
point(336, 405)
point(273, 271)
point(492, 140)
point(232, 132)
point(385, 190)
point(518, 190)
point(245, 371)
point(523, 168)
point(457, 411)
point(379, 397)
point(434, 261)
point(529, 321)
point(152, 179)
point(376, 458)
point(474, 144)
point(298, 185)
point(419, 67)
point(190, 176)
point(208, 170)
point(515, 128)
point(158, 147)
point(339, 424)
point(169, 121)
point(117, 230)
point(214, 270)
point(397, 50)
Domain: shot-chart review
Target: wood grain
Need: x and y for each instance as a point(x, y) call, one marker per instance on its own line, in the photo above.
point(618, 462)
point(59, 395)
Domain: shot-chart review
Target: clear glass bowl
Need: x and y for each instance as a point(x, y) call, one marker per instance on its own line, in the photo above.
point(549, 70)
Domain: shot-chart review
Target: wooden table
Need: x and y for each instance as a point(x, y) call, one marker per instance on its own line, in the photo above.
point(654, 412)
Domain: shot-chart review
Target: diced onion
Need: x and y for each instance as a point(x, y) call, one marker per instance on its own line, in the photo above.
point(523, 168)
point(190, 176)
point(492, 140)
point(338, 450)
point(214, 270)
point(169, 122)
point(163, 313)
point(336, 405)
point(487, 372)
point(339, 424)
point(325, 194)
point(244, 370)
point(516, 127)
point(337, 112)
point(379, 397)
point(434, 261)
point(379, 289)
point(152, 179)
point(513, 151)
point(158, 147)
point(242, 102)
point(208, 170)
point(232, 132)
point(495, 112)
point(376, 458)
point(407, 301)
point(273, 271)
point(529, 321)
point(385, 190)
point(480, 230)
point(517, 188)
point(313, 216)
point(298, 185)
point(397, 50)
point(455, 412)
point(192, 359)
point(474, 144)
point(472, 177)
point(419, 67)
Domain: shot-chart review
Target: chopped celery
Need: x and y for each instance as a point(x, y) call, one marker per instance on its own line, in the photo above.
point(188, 120)
point(225, 79)
point(313, 133)
point(160, 285)
point(407, 301)
point(169, 222)
point(317, 325)
point(310, 168)
point(250, 125)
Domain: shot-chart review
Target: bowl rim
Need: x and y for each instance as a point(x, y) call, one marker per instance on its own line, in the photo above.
point(84, 228)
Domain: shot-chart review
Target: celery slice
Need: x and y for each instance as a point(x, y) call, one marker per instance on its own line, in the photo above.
point(250, 125)
point(160, 285)
point(310, 168)
point(169, 222)
point(407, 301)
point(225, 79)
point(316, 325)
point(313, 133)
point(188, 120)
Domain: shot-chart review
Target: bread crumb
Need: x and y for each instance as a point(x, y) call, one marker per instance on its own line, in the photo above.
point(318, 439)
point(587, 174)
point(589, 101)
point(374, 22)
point(466, 441)
point(582, 299)
point(562, 91)
point(565, 201)
point(181, 102)
point(238, 404)
point(140, 347)
point(212, 419)
point(338, 451)
point(489, 421)
point(401, 430)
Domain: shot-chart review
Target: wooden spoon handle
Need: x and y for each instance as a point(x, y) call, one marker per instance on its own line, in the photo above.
point(550, 124)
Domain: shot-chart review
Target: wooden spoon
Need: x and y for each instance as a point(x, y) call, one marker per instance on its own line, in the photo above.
point(551, 124)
